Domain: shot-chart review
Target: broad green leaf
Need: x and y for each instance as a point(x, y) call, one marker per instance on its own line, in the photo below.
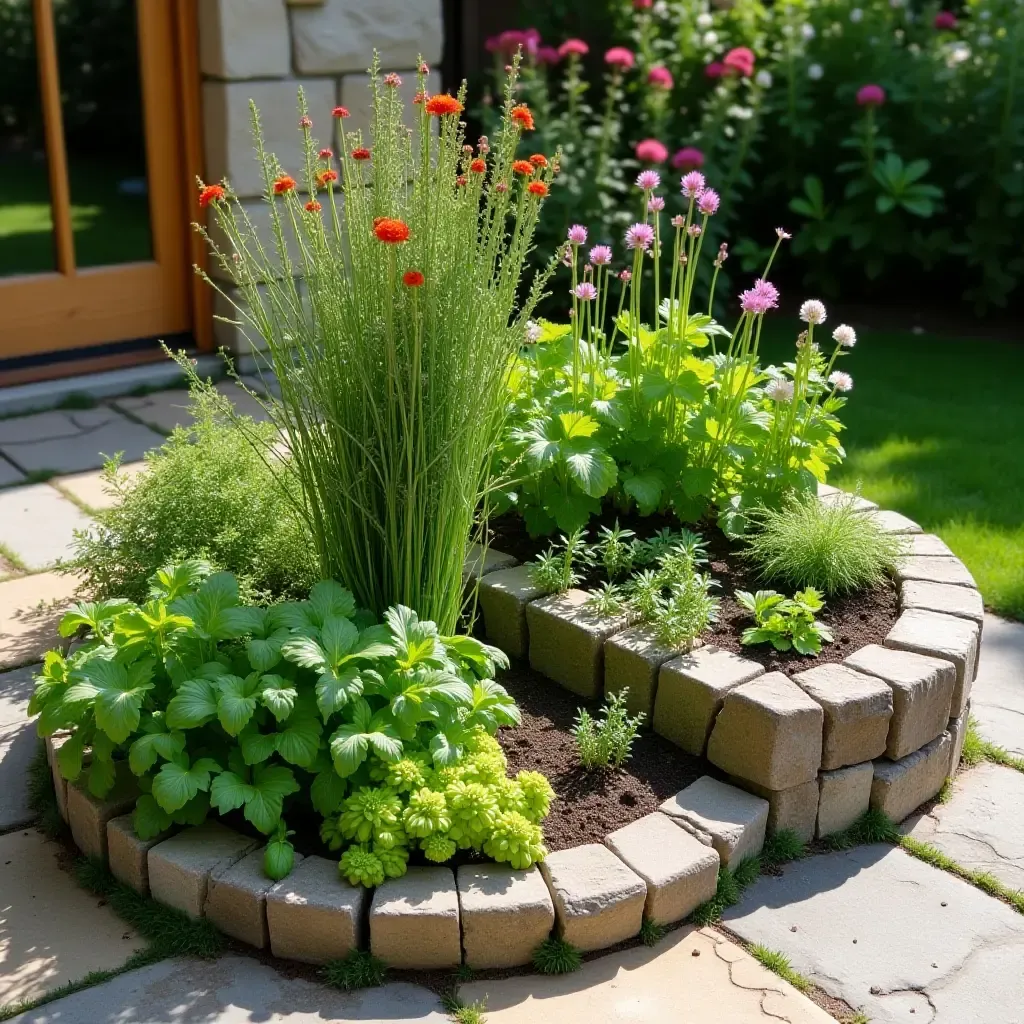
point(92, 615)
point(172, 581)
point(328, 792)
point(193, 705)
point(195, 811)
point(578, 424)
point(278, 695)
point(645, 489)
point(228, 792)
point(149, 819)
point(328, 599)
point(306, 653)
point(334, 691)
point(257, 746)
point(265, 653)
point(236, 702)
point(147, 748)
point(351, 743)
point(270, 785)
point(102, 774)
point(593, 470)
point(337, 637)
point(299, 742)
point(175, 785)
point(116, 693)
point(416, 642)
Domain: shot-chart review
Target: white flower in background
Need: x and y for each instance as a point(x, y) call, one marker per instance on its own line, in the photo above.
point(985, 15)
point(780, 391)
point(814, 72)
point(813, 312)
point(841, 381)
point(533, 332)
point(807, 31)
point(763, 79)
point(710, 38)
point(845, 335)
point(787, 30)
point(957, 54)
point(660, 8)
point(739, 113)
point(704, 20)
point(856, 15)
point(984, 39)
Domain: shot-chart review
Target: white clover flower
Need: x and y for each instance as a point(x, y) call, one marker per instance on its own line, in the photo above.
point(815, 72)
point(856, 15)
point(845, 335)
point(841, 381)
point(813, 312)
point(763, 79)
point(710, 38)
point(704, 20)
point(739, 113)
point(780, 390)
point(533, 332)
point(807, 31)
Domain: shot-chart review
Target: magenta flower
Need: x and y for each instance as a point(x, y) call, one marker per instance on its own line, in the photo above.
point(573, 46)
point(620, 57)
point(945, 21)
point(642, 5)
point(625, 275)
point(600, 255)
point(577, 234)
point(688, 158)
point(392, 80)
point(639, 236)
point(648, 180)
point(659, 77)
point(707, 202)
point(870, 96)
point(692, 184)
point(547, 55)
point(739, 59)
point(656, 204)
point(759, 299)
point(678, 220)
point(651, 151)
point(585, 291)
point(714, 70)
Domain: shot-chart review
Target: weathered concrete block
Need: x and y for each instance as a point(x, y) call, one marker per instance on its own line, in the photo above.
point(338, 35)
point(503, 597)
point(236, 899)
point(934, 569)
point(414, 920)
point(928, 545)
point(857, 709)
point(964, 602)
point(632, 660)
point(567, 641)
point(770, 732)
point(506, 914)
point(838, 497)
point(922, 691)
point(88, 816)
point(180, 867)
point(314, 915)
point(680, 871)
point(128, 855)
point(794, 809)
point(60, 784)
point(900, 787)
point(481, 561)
point(598, 900)
point(941, 636)
point(255, 226)
point(691, 691)
point(243, 39)
point(894, 522)
point(845, 795)
point(735, 820)
point(958, 733)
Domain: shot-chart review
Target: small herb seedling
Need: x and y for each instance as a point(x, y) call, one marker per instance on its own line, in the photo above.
point(607, 742)
point(554, 571)
point(787, 624)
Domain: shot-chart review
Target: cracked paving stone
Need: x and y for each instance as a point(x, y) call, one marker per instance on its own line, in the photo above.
point(905, 916)
point(38, 523)
point(982, 825)
point(165, 410)
point(997, 699)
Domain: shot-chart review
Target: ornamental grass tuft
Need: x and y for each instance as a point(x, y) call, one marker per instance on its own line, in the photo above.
point(556, 956)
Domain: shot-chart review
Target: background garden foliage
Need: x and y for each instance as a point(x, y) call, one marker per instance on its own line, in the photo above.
point(923, 172)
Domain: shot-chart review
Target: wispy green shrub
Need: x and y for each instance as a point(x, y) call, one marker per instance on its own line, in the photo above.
point(607, 742)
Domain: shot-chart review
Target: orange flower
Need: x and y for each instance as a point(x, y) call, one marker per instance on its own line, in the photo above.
point(209, 194)
point(412, 279)
point(325, 176)
point(360, 154)
point(283, 183)
point(442, 105)
point(391, 230)
point(478, 166)
point(539, 160)
point(522, 116)
point(522, 167)
point(313, 206)
point(340, 112)
point(537, 188)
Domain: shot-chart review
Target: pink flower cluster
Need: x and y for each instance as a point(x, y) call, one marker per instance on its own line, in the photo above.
point(759, 299)
point(945, 21)
point(620, 57)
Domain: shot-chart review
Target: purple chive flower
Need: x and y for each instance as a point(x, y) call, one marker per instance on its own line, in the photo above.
point(656, 204)
point(678, 220)
point(585, 291)
point(577, 234)
point(707, 202)
point(693, 231)
point(759, 299)
point(626, 275)
point(600, 255)
point(692, 184)
point(639, 236)
point(648, 180)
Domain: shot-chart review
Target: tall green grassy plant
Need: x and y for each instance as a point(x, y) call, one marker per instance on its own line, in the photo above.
point(393, 352)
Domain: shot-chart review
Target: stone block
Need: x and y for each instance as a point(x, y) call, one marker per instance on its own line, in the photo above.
point(243, 39)
point(958, 732)
point(838, 497)
point(599, 901)
point(845, 795)
point(226, 126)
point(88, 816)
point(894, 522)
point(180, 867)
point(481, 561)
point(60, 784)
point(632, 660)
point(567, 641)
point(503, 597)
point(414, 920)
point(964, 602)
point(929, 546)
point(769, 732)
point(941, 636)
point(314, 915)
point(339, 36)
point(922, 690)
point(691, 690)
point(857, 709)
point(794, 809)
point(934, 570)
point(680, 871)
point(128, 855)
point(900, 787)
point(506, 914)
point(735, 820)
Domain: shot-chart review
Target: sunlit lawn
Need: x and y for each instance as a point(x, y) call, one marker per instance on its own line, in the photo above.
point(935, 430)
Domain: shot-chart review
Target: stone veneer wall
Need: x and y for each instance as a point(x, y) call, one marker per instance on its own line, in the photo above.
point(264, 50)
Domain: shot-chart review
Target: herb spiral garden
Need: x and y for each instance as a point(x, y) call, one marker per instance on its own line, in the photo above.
point(511, 582)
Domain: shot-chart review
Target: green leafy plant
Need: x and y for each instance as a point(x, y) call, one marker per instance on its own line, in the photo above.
point(556, 570)
point(785, 623)
point(778, 963)
point(651, 933)
point(606, 742)
point(615, 550)
point(781, 847)
point(608, 599)
point(360, 969)
point(556, 956)
point(831, 546)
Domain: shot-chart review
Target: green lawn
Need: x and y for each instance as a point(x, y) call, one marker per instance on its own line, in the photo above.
point(935, 430)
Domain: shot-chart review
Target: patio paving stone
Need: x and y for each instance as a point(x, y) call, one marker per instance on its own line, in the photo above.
point(18, 745)
point(997, 700)
point(88, 488)
point(165, 410)
point(30, 608)
point(37, 524)
point(9, 474)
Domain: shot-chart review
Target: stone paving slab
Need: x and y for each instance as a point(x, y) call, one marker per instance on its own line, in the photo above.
point(997, 700)
point(18, 745)
point(165, 410)
point(982, 826)
point(51, 930)
point(89, 488)
point(30, 608)
point(73, 440)
point(9, 474)
point(690, 977)
point(37, 524)
point(891, 935)
point(233, 990)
